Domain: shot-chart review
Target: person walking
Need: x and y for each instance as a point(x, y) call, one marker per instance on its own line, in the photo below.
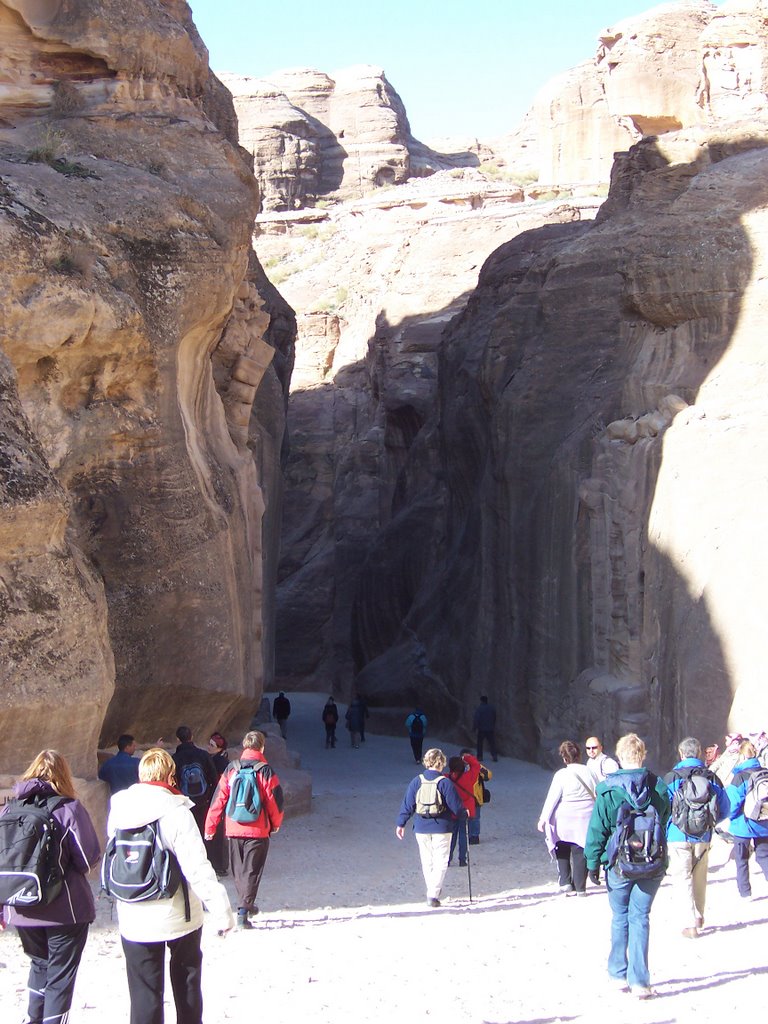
point(416, 724)
point(565, 818)
point(355, 719)
point(433, 802)
point(53, 935)
point(482, 797)
point(196, 774)
point(485, 726)
point(281, 711)
point(149, 927)
point(250, 798)
point(330, 717)
point(746, 832)
point(630, 899)
point(122, 770)
point(689, 832)
point(217, 848)
point(463, 771)
point(600, 765)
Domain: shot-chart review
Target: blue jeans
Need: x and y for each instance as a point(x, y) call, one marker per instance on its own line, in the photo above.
point(460, 835)
point(630, 903)
point(474, 823)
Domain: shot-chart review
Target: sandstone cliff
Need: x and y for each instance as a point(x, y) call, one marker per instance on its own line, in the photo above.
point(143, 399)
point(315, 136)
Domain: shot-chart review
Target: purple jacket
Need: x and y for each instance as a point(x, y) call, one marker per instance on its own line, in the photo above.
point(80, 849)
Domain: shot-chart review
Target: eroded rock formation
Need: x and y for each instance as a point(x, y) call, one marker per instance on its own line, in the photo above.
point(142, 396)
point(315, 136)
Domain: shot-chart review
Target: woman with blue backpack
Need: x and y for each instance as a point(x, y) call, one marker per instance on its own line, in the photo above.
point(48, 898)
point(748, 812)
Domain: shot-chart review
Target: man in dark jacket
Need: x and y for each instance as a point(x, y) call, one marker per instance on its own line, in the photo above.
point(433, 829)
point(485, 726)
point(196, 774)
point(281, 710)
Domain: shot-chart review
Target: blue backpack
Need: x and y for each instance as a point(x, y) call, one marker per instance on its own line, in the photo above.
point(244, 803)
point(637, 848)
point(192, 781)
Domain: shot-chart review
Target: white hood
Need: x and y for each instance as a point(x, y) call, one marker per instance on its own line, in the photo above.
point(142, 803)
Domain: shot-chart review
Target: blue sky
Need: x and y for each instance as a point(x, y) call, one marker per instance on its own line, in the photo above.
point(462, 67)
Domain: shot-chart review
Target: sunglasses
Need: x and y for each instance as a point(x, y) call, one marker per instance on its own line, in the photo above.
point(593, 748)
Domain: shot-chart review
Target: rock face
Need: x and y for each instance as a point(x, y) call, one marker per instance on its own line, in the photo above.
point(599, 433)
point(679, 65)
point(143, 364)
point(551, 497)
point(377, 281)
point(314, 136)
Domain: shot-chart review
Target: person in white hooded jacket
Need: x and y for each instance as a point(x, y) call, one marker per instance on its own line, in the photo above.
point(146, 928)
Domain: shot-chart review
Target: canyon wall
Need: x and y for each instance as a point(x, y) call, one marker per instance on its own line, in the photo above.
point(529, 489)
point(143, 372)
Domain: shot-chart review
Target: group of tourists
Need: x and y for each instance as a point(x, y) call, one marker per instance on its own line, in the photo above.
point(158, 865)
point(614, 815)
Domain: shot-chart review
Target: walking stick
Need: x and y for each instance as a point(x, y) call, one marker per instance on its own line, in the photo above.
point(469, 866)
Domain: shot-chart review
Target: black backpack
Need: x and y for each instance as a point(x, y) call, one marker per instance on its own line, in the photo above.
point(192, 780)
point(694, 802)
point(417, 725)
point(137, 867)
point(637, 848)
point(31, 873)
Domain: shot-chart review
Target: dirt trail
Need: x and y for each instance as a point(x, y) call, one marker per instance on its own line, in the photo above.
point(345, 935)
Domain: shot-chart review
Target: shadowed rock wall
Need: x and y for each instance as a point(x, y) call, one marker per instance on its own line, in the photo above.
point(599, 437)
point(143, 400)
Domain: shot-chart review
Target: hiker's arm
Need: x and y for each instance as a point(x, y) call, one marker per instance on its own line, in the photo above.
point(215, 811)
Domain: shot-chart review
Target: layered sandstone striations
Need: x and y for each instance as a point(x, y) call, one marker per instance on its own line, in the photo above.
point(144, 359)
point(315, 136)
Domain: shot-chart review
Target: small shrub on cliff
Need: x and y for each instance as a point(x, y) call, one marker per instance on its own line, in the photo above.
point(49, 147)
point(66, 99)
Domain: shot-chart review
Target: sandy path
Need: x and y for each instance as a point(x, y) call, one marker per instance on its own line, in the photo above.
point(345, 936)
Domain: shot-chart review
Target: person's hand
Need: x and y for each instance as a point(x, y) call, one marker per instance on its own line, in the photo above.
point(540, 826)
point(594, 875)
point(208, 837)
point(399, 831)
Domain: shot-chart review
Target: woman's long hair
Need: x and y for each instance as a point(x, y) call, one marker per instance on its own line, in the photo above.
point(52, 767)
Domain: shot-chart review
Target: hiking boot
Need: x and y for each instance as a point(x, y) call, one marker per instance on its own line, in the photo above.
point(462, 863)
point(691, 933)
point(432, 902)
point(242, 919)
point(474, 840)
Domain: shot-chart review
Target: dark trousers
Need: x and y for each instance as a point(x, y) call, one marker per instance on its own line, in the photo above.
point(330, 734)
point(741, 850)
point(417, 744)
point(55, 954)
point(247, 858)
point(145, 967)
point(490, 736)
point(571, 865)
point(218, 851)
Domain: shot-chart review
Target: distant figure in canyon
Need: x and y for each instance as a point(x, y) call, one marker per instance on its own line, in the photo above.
point(416, 724)
point(250, 798)
point(485, 726)
point(281, 711)
point(433, 802)
point(355, 719)
point(122, 770)
point(330, 716)
point(196, 775)
point(600, 765)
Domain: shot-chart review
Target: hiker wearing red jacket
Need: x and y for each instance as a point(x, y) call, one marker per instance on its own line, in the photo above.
point(464, 771)
point(248, 839)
